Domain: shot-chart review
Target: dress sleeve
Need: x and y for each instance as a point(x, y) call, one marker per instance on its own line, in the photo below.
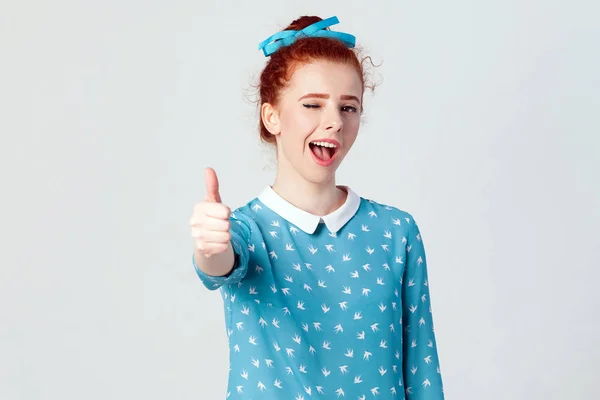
point(241, 228)
point(421, 368)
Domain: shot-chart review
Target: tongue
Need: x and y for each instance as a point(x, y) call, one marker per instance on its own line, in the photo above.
point(322, 153)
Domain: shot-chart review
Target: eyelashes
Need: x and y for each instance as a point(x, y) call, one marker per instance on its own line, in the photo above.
point(346, 109)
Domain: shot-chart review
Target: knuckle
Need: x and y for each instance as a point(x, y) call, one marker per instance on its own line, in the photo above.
point(194, 218)
point(198, 233)
point(200, 208)
point(197, 208)
point(201, 220)
point(225, 211)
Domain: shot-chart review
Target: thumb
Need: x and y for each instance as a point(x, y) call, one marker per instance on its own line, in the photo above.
point(212, 186)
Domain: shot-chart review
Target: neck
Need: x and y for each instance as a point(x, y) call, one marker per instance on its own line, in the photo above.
point(316, 198)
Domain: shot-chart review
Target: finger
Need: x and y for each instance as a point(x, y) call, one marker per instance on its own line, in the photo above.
point(214, 224)
point(210, 236)
point(204, 210)
point(216, 210)
point(211, 248)
point(212, 186)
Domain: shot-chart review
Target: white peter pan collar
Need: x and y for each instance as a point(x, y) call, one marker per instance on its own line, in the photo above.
point(306, 221)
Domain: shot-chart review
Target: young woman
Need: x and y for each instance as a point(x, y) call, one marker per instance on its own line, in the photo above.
point(325, 292)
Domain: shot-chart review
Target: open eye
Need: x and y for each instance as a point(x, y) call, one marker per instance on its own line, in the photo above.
point(350, 109)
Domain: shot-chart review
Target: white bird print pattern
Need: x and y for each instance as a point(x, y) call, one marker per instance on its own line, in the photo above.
point(288, 342)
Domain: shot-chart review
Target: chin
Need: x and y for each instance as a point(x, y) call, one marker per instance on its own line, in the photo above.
point(318, 174)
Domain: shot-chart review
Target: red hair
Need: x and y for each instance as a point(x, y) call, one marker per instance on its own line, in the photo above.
point(282, 64)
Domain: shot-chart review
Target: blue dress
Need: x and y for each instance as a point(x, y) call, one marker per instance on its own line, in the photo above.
point(328, 308)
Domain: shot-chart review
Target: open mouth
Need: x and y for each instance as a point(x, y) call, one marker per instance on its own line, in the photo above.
point(324, 151)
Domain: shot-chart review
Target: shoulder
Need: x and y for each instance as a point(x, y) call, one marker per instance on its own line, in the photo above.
point(246, 211)
point(401, 219)
point(251, 213)
point(382, 209)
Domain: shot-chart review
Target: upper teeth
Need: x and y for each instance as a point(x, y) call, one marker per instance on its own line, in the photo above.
point(324, 144)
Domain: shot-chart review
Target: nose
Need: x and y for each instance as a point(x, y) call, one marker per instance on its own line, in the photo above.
point(333, 121)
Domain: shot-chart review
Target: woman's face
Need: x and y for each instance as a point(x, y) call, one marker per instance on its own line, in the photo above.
point(316, 120)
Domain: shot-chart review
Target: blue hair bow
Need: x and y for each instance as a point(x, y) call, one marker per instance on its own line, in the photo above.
point(286, 38)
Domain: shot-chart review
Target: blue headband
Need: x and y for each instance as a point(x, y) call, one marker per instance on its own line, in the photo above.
point(286, 38)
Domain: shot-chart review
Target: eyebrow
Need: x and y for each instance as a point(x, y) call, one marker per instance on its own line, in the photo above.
point(326, 96)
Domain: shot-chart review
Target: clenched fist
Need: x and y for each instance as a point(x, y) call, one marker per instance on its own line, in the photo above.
point(210, 220)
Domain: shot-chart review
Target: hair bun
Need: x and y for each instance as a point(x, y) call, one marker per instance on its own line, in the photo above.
point(302, 22)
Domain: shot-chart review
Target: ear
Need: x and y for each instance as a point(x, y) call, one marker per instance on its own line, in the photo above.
point(270, 118)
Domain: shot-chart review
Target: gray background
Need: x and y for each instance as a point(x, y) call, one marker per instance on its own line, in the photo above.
point(484, 126)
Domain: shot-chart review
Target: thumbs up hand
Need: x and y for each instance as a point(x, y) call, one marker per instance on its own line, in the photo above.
point(210, 220)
